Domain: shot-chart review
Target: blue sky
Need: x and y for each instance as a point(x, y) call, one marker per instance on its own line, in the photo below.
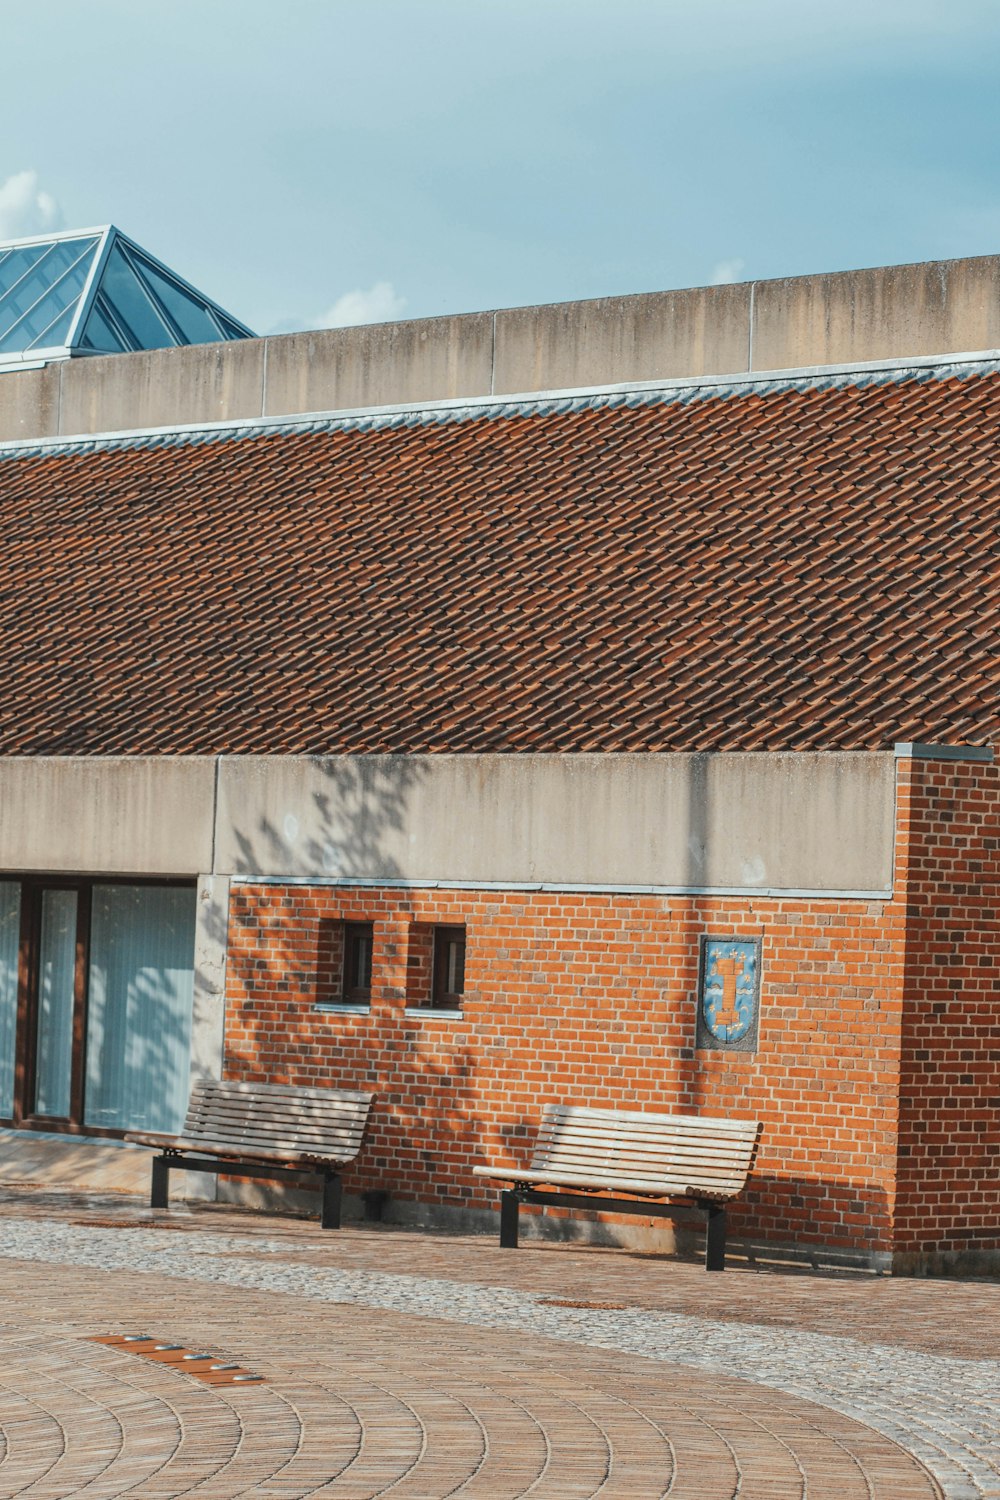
point(322, 161)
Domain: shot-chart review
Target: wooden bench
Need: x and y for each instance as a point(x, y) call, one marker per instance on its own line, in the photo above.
point(694, 1158)
point(263, 1130)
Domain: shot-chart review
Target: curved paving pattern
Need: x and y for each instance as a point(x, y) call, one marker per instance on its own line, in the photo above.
point(416, 1412)
point(389, 1381)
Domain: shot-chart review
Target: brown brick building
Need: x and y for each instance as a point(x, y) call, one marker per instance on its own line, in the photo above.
point(461, 742)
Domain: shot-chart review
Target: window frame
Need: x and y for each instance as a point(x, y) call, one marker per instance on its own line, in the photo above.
point(351, 993)
point(445, 934)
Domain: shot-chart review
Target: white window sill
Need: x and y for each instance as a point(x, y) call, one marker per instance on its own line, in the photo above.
point(341, 1008)
point(424, 1012)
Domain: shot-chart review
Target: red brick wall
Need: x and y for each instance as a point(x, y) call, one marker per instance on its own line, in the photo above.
point(948, 852)
point(588, 999)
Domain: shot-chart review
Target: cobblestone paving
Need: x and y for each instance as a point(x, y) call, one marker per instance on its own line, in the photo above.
point(422, 1366)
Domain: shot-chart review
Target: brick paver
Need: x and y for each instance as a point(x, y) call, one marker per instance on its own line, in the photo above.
point(411, 1365)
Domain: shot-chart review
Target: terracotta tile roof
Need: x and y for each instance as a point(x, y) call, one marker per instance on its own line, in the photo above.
point(773, 567)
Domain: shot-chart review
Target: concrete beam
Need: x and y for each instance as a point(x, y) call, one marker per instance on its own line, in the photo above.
point(115, 816)
point(755, 822)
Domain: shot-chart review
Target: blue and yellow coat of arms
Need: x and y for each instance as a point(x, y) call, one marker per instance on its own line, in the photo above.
point(728, 993)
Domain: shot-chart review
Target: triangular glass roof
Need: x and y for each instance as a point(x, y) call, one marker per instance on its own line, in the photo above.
point(94, 291)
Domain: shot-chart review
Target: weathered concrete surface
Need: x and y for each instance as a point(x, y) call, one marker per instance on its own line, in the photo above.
point(121, 815)
point(29, 402)
point(704, 331)
point(753, 821)
point(887, 312)
point(87, 1164)
point(940, 307)
point(202, 383)
point(745, 822)
point(208, 1016)
point(381, 364)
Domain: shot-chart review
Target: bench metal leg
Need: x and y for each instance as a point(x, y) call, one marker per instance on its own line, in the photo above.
point(510, 1203)
point(160, 1189)
point(715, 1238)
point(331, 1201)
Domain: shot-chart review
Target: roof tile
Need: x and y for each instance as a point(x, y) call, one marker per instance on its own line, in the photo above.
point(792, 568)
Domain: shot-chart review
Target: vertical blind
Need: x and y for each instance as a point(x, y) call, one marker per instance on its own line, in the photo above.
point(56, 972)
point(139, 1009)
point(10, 926)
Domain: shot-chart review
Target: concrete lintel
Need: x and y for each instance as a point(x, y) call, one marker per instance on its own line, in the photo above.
point(761, 824)
point(913, 750)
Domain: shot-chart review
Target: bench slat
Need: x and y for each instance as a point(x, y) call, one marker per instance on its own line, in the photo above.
point(586, 1161)
point(266, 1101)
point(329, 1121)
point(253, 1107)
point(228, 1087)
point(283, 1140)
point(266, 1119)
point(561, 1132)
point(269, 1123)
point(597, 1117)
point(610, 1171)
point(649, 1151)
point(569, 1129)
point(630, 1151)
point(230, 1150)
point(678, 1187)
point(274, 1137)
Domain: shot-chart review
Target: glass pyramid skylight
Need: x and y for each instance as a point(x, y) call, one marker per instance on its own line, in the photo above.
point(96, 292)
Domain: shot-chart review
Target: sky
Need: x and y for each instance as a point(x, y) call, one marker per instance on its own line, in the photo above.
point(312, 163)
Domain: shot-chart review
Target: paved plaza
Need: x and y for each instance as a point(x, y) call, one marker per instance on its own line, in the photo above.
point(402, 1364)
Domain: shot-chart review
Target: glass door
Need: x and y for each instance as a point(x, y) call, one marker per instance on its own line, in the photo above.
point(96, 999)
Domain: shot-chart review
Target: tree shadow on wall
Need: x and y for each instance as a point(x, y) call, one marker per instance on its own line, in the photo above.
point(349, 818)
point(425, 1131)
point(351, 811)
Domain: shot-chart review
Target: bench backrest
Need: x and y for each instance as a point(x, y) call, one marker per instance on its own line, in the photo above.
point(622, 1148)
point(275, 1117)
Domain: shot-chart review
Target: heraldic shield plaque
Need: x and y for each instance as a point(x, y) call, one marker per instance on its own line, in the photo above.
point(729, 993)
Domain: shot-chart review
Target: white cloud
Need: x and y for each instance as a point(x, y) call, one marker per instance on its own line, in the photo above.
point(25, 209)
point(727, 271)
point(379, 304)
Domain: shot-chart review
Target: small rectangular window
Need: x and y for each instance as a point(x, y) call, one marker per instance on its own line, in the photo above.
point(449, 968)
point(358, 944)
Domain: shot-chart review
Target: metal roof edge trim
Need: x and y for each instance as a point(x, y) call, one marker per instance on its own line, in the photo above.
point(770, 892)
point(52, 235)
point(459, 408)
point(917, 750)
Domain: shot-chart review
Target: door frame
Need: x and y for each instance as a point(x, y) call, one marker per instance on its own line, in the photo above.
point(33, 884)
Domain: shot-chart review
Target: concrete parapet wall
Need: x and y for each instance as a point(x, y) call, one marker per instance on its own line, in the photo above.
point(203, 383)
point(662, 335)
point(379, 365)
point(939, 307)
point(889, 312)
